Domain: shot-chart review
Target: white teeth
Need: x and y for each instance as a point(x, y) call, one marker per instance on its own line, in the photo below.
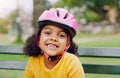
point(52, 46)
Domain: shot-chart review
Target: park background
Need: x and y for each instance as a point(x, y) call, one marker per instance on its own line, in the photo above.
point(99, 26)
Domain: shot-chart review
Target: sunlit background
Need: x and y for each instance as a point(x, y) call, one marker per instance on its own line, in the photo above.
point(98, 20)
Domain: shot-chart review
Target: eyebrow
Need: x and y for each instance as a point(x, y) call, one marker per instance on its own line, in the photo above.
point(47, 28)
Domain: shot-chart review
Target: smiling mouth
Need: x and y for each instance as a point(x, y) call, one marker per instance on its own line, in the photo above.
point(52, 46)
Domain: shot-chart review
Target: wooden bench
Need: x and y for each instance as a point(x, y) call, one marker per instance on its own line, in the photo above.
point(12, 64)
point(100, 53)
point(83, 52)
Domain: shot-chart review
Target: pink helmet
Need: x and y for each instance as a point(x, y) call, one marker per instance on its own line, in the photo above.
point(59, 17)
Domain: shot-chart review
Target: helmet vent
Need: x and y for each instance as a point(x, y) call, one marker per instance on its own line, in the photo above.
point(66, 16)
point(58, 13)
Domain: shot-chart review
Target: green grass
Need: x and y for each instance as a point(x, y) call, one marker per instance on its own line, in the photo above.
point(98, 40)
point(86, 40)
point(105, 43)
point(13, 57)
point(6, 40)
point(11, 73)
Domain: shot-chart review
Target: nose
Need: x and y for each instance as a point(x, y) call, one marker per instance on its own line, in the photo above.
point(53, 38)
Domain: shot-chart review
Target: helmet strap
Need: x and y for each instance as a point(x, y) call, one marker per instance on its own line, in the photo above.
point(53, 58)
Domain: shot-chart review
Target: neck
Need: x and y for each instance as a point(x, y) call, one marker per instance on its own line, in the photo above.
point(50, 64)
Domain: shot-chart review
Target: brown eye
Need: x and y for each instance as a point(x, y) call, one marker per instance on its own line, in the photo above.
point(47, 33)
point(62, 35)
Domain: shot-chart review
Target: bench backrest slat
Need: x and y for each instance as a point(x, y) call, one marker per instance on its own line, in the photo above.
point(8, 49)
point(101, 52)
point(102, 69)
point(12, 65)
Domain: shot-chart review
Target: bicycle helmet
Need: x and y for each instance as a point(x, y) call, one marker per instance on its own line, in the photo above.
point(60, 17)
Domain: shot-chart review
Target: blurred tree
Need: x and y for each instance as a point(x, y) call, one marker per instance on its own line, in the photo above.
point(118, 7)
point(80, 8)
point(60, 3)
point(39, 7)
point(95, 5)
point(92, 5)
point(72, 3)
point(118, 19)
point(95, 10)
point(68, 3)
point(98, 6)
point(14, 18)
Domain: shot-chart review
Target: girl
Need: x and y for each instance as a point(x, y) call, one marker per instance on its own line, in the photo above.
point(52, 50)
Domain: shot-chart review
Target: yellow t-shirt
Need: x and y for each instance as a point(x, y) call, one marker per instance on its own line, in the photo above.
point(68, 67)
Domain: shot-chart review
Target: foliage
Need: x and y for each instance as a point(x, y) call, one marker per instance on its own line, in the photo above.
point(72, 3)
point(3, 26)
point(101, 3)
point(91, 16)
point(6, 21)
point(90, 3)
point(60, 3)
point(68, 3)
point(98, 5)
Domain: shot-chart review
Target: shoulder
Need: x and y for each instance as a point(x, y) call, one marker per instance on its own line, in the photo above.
point(70, 56)
point(74, 66)
point(34, 60)
point(71, 59)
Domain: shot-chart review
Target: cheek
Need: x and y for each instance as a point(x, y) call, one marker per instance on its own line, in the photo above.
point(64, 43)
point(43, 37)
point(41, 40)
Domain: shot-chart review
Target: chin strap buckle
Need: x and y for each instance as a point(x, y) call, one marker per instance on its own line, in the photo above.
point(52, 58)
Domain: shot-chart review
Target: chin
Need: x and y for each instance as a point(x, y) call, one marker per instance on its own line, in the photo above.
point(52, 54)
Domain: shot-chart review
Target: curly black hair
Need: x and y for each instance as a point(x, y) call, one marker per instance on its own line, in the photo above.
point(31, 47)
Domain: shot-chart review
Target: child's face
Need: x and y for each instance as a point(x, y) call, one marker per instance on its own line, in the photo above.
point(53, 40)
